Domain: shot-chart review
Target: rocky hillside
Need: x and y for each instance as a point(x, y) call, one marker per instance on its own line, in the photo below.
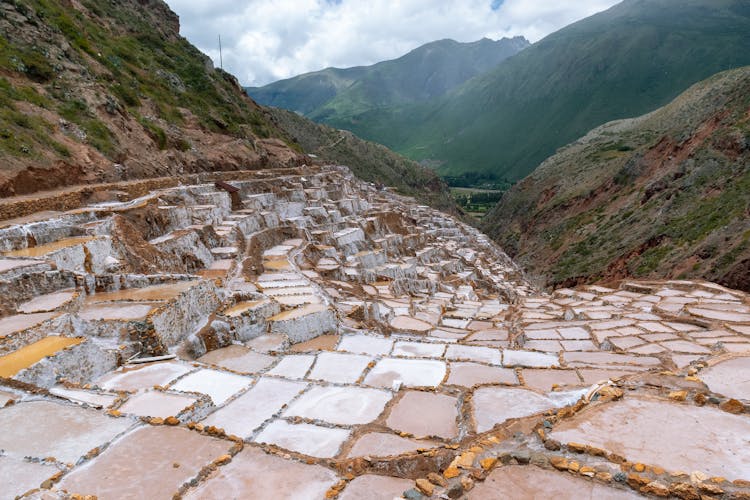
point(100, 91)
point(337, 96)
point(626, 61)
point(665, 195)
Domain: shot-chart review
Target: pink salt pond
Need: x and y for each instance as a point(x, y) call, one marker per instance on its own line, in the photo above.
point(19, 476)
point(252, 472)
point(381, 444)
point(730, 378)
point(644, 429)
point(137, 377)
point(410, 373)
point(340, 405)
point(48, 302)
point(495, 405)
point(44, 429)
point(156, 404)
point(531, 482)
point(242, 416)
point(238, 358)
point(20, 322)
point(471, 374)
point(425, 414)
point(167, 457)
point(409, 324)
point(372, 487)
point(308, 439)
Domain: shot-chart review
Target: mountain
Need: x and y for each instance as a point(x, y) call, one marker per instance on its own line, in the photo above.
point(663, 195)
point(623, 62)
point(100, 91)
point(336, 96)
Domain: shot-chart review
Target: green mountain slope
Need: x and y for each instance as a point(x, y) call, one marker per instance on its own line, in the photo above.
point(620, 63)
point(101, 91)
point(334, 96)
point(666, 195)
point(367, 160)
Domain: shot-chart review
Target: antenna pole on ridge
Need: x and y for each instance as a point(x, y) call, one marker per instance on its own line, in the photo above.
point(221, 58)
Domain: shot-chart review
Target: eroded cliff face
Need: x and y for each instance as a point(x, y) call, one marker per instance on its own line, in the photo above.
point(665, 195)
point(299, 333)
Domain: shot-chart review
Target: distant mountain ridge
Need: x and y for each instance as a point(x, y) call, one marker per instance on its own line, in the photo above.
point(623, 62)
point(427, 72)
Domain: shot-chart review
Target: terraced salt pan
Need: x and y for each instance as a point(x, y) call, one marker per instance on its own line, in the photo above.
point(167, 291)
point(219, 386)
point(245, 414)
point(12, 363)
point(418, 349)
point(48, 302)
point(340, 405)
point(238, 358)
point(734, 317)
point(474, 353)
point(319, 343)
point(42, 250)
point(642, 429)
point(123, 311)
point(365, 344)
point(144, 376)
point(308, 439)
point(272, 478)
point(238, 309)
point(529, 359)
point(381, 444)
point(267, 343)
point(471, 374)
point(410, 372)
point(167, 457)
point(495, 405)
point(156, 404)
point(410, 324)
point(339, 367)
point(42, 429)
point(425, 414)
point(97, 400)
point(293, 366)
point(20, 322)
point(730, 378)
point(11, 264)
point(531, 482)
point(19, 476)
point(372, 487)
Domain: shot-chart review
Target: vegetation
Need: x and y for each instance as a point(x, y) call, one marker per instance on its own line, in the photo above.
point(369, 161)
point(338, 96)
point(621, 63)
point(664, 195)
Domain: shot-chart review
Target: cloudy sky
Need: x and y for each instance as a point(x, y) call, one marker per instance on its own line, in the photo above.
point(267, 40)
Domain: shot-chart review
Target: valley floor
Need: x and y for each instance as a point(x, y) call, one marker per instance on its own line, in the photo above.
point(301, 334)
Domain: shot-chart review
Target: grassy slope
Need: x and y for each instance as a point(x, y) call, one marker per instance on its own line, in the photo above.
point(369, 161)
point(664, 195)
point(626, 61)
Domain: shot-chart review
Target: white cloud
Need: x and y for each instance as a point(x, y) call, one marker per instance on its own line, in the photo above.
point(266, 40)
